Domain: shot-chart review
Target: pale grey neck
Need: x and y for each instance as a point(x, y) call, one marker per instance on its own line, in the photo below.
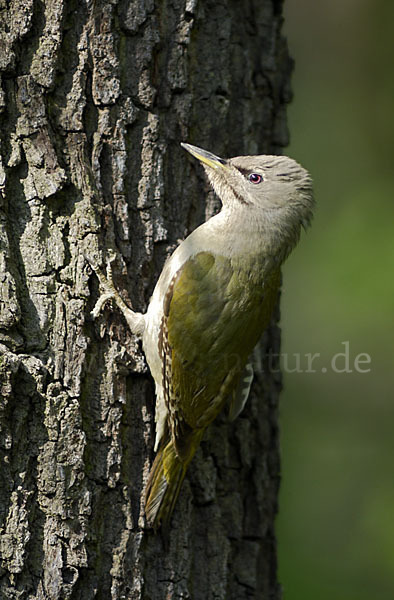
point(244, 231)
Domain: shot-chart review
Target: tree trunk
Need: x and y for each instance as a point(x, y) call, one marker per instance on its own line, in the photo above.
point(95, 97)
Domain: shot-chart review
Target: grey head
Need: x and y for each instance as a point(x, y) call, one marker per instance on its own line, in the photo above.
point(275, 190)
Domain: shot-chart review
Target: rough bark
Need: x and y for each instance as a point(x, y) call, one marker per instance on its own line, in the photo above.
point(95, 98)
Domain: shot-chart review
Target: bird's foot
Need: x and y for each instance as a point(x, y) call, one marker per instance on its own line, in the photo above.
point(107, 287)
point(135, 321)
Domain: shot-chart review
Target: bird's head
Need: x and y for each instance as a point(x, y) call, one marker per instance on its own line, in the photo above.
point(275, 190)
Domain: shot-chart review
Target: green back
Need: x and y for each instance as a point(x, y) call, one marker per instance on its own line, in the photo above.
point(215, 313)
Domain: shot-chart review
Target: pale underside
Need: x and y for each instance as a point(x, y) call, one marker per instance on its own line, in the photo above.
point(240, 287)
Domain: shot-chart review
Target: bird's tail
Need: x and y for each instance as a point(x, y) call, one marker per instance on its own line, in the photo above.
point(165, 481)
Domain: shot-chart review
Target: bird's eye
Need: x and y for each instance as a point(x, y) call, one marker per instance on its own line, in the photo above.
point(255, 178)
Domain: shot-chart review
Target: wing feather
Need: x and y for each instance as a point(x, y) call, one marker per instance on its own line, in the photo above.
point(215, 310)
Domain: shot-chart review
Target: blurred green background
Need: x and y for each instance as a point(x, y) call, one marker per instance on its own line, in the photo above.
point(336, 520)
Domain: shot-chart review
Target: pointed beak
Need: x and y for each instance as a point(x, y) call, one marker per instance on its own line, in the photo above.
point(205, 157)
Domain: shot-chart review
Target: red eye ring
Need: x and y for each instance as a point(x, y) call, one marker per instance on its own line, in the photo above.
point(255, 178)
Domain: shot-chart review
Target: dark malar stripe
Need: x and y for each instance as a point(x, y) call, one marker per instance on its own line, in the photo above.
point(239, 197)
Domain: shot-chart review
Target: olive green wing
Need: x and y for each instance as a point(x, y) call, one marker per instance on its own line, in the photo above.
point(214, 313)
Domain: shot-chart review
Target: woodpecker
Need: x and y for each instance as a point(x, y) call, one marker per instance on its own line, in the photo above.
point(211, 304)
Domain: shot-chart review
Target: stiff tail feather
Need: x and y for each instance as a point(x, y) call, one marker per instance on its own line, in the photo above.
point(164, 484)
